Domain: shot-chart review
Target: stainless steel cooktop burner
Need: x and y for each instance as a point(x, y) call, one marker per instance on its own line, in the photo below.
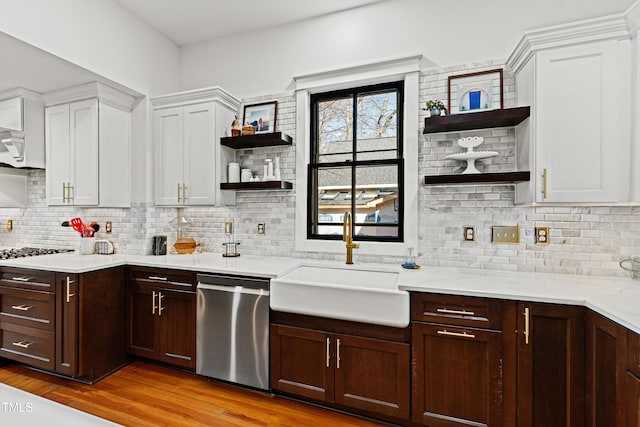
point(25, 252)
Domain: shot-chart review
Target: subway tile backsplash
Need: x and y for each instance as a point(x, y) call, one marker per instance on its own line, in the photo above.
point(587, 240)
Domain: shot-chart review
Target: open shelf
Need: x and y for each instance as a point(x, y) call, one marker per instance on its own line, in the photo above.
point(260, 185)
point(256, 141)
point(480, 120)
point(496, 177)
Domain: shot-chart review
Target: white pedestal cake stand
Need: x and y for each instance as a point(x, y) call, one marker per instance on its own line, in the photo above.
point(471, 156)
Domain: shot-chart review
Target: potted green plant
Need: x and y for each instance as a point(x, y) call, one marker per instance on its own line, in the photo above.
point(435, 107)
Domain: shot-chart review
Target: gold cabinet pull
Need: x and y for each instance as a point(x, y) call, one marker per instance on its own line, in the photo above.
point(22, 279)
point(338, 353)
point(456, 334)
point(184, 193)
point(22, 344)
point(64, 192)
point(462, 312)
point(179, 188)
point(69, 294)
point(328, 351)
point(22, 307)
point(544, 183)
point(162, 279)
point(160, 307)
point(153, 303)
point(526, 325)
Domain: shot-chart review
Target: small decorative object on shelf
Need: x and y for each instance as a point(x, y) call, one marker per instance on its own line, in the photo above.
point(471, 156)
point(248, 130)
point(473, 92)
point(435, 108)
point(235, 127)
point(261, 116)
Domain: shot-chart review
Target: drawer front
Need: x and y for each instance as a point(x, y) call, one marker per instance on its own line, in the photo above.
point(27, 279)
point(456, 310)
point(32, 346)
point(633, 348)
point(28, 308)
point(165, 278)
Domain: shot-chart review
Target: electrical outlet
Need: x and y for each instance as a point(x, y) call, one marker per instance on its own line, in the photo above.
point(261, 229)
point(542, 235)
point(469, 233)
point(505, 234)
point(108, 227)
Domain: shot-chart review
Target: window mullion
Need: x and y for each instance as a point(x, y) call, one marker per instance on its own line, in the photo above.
point(354, 159)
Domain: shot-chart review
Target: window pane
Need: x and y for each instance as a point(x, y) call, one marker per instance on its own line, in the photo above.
point(377, 201)
point(334, 198)
point(377, 136)
point(335, 130)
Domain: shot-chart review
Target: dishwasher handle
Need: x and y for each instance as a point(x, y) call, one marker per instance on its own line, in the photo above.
point(233, 289)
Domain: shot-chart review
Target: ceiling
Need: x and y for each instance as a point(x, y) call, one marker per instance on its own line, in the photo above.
point(191, 21)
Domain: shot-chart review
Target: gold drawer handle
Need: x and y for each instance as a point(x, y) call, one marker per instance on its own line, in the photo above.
point(460, 312)
point(328, 351)
point(456, 334)
point(22, 279)
point(22, 344)
point(22, 307)
point(163, 279)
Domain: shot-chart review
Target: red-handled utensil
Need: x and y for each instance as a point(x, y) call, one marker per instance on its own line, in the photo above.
point(77, 225)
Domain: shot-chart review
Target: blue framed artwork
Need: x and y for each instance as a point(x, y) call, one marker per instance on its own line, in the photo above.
point(474, 92)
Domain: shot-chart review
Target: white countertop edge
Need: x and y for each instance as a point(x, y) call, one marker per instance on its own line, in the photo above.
point(612, 297)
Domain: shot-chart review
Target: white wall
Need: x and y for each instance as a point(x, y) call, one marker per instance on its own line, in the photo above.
point(99, 35)
point(264, 62)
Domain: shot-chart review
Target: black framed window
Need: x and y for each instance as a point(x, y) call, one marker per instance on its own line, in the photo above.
point(356, 163)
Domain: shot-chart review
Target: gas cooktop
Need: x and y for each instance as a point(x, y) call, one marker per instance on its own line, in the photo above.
point(25, 252)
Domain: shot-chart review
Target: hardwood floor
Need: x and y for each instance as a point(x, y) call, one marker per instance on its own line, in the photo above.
point(144, 394)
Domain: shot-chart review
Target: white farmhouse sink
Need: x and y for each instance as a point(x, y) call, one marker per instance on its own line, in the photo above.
point(356, 293)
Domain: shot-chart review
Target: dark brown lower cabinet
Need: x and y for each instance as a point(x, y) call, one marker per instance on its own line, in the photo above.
point(360, 374)
point(633, 400)
point(457, 376)
point(606, 371)
point(161, 316)
point(551, 365)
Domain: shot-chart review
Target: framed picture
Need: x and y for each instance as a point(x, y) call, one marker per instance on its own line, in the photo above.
point(261, 116)
point(473, 92)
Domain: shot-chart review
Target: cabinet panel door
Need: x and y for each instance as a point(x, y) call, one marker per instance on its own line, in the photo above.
point(67, 288)
point(551, 365)
point(142, 324)
point(199, 153)
point(578, 88)
point(83, 127)
point(168, 138)
point(177, 315)
point(115, 156)
point(372, 375)
point(58, 149)
point(633, 400)
point(457, 376)
point(606, 370)
point(302, 362)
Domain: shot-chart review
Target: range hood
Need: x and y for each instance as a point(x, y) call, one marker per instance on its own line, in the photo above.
point(21, 129)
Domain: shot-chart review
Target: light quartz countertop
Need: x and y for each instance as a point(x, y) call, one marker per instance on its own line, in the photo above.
point(615, 298)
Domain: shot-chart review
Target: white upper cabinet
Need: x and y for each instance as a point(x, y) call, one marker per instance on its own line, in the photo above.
point(187, 151)
point(88, 146)
point(577, 142)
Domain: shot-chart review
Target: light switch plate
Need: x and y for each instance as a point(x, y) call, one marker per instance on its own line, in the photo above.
point(505, 234)
point(542, 235)
point(108, 228)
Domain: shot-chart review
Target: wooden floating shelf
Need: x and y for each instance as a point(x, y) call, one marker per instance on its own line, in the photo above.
point(480, 120)
point(256, 141)
point(260, 185)
point(495, 178)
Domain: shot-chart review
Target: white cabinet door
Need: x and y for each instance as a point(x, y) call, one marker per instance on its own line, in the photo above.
point(57, 149)
point(11, 116)
point(169, 156)
point(115, 156)
point(582, 123)
point(83, 145)
point(200, 154)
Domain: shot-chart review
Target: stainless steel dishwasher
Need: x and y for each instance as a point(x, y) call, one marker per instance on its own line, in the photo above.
point(232, 329)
